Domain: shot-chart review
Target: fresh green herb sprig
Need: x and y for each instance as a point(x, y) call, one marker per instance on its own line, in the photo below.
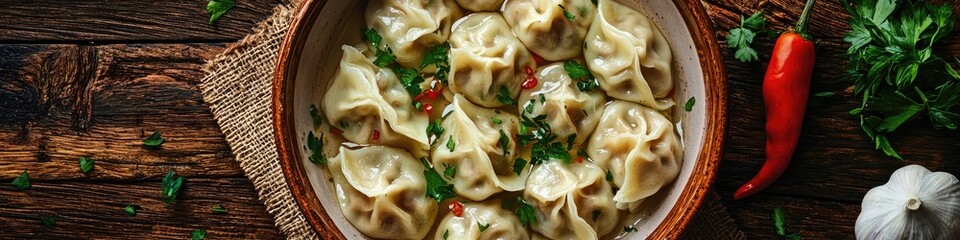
point(153, 141)
point(437, 188)
point(780, 222)
point(22, 181)
point(216, 8)
point(741, 37)
point(86, 164)
point(896, 74)
point(171, 187)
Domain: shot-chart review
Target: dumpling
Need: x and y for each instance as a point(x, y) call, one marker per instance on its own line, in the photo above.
point(364, 99)
point(485, 56)
point(474, 143)
point(411, 27)
point(639, 147)
point(569, 111)
point(481, 5)
point(382, 192)
point(544, 27)
point(499, 224)
point(629, 56)
point(571, 202)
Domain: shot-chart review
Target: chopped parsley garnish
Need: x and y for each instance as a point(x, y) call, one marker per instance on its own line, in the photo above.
point(216, 8)
point(629, 229)
point(437, 188)
point(566, 13)
point(609, 176)
point(482, 227)
point(585, 81)
point(171, 187)
point(371, 35)
point(153, 141)
point(410, 79)
point(86, 164)
point(131, 209)
point(496, 120)
point(543, 99)
point(690, 102)
point(384, 57)
point(528, 108)
point(49, 221)
point(504, 96)
point(451, 144)
point(315, 115)
point(518, 165)
point(21, 182)
point(449, 171)
point(446, 233)
point(570, 140)
point(596, 214)
point(434, 129)
point(198, 234)
point(525, 212)
point(504, 142)
point(315, 145)
point(218, 209)
point(436, 55)
point(544, 152)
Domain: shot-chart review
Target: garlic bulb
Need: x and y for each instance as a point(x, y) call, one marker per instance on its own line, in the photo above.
point(914, 204)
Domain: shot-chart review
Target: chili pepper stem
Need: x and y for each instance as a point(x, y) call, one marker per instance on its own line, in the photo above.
point(801, 27)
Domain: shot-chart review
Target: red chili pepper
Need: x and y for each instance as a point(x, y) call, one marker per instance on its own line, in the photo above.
point(376, 135)
point(457, 208)
point(786, 86)
point(335, 131)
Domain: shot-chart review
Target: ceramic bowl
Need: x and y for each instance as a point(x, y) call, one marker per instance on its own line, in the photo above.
point(311, 50)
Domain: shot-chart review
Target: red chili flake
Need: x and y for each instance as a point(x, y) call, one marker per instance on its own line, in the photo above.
point(376, 135)
point(579, 159)
point(457, 208)
point(432, 93)
point(335, 131)
point(529, 83)
point(427, 108)
point(528, 70)
point(537, 58)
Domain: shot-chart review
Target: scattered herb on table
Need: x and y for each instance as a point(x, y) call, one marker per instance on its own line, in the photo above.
point(131, 209)
point(896, 73)
point(22, 181)
point(49, 221)
point(216, 8)
point(171, 187)
point(86, 164)
point(218, 209)
point(780, 222)
point(198, 234)
point(437, 188)
point(741, 37)
point(153, 141)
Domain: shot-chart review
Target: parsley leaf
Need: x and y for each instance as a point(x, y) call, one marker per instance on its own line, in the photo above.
point(371, 35)
point(504, 142)
point(437, 188)
point(198, 234)
point(518, 165)
point(496, 120)
point(217, 8)
point(780, 223)
point(315, 145)
point(436, 55)
point(525, 212)
point(434, 129)
point(315, 115)
point(50, 221)
point(585, 80)
point(504, 96)
point(21, 182)
point(609, 176)
point(153, 141)
point(410, 79)
point(566, 13)
point(384, 57)
point(482, 227)
point(218, 209)
point(131, 209)
point(451, 144)
point(449, 171)
point(741, 37)
point(86, 164)
point(446, 233)
point(690, 102)
point(171, 187)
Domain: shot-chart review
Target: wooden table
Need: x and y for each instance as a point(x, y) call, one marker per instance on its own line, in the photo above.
point(93, 78)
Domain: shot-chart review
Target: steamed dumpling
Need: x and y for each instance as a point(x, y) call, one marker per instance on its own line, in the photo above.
point(485, 56)
point(484, 166)
point(572, 201)
point(544, 28)
point(364, 98)
point(629, 56)
point(569, 111)
point(500, 224)
point(638, 146)
point(382, 192)
point(411, 27)
point(481, 5)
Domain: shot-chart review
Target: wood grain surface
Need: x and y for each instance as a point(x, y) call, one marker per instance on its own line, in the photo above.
point(93, 78)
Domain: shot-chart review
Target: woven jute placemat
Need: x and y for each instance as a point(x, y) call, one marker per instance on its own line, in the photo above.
point(238, 90)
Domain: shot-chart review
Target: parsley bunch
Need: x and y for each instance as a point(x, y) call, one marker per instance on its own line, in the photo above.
point(740, 38)
point(896, 74)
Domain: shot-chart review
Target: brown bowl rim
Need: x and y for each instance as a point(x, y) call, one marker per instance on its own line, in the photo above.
point(676, 221)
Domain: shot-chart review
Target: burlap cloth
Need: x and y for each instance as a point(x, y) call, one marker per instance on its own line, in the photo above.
point(238, 90)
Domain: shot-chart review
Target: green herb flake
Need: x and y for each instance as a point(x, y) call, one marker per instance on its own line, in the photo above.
point(131, 209)
point(384, 57)
point(504, 97)
point(504, 142)
point(171, 187)
point(824, 94)
point(153, 141)
point(437, 188)
point(410, 79)
point(690, 102)
point(449, 171)
point(434, 129)
point(198, 234)
point(218, 209)
point(609, 176)
point(86, 164)
point(627, 229)
point(436, 55)
point(315, 115)
point(585, 81)
point(216, 8)
point(446, 233)
point(566, 13)
point(528, 108)
point(451, 144)
point(370, 35)
point(780, 221)
point(496, 120)
point(518, 165)
point(315, 145)
point(49, 221)
point(483, 227)
point(570, 140)
point(543, 99)
point(21, 182)
point(525, 212)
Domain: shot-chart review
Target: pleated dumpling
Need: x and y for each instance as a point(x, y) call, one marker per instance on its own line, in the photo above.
point(545, 27)
point(569, 111)
point(629, 56)
point(382, 192)
point(638, 146)
point(486, 59)
point(497, 223)
point(364, 99)
point(411, 27)
point(481, 5)
point(481, 149)
point(571, 202)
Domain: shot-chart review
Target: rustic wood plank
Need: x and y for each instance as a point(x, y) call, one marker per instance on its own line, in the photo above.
point(61, 102)
point(114, 21)
point(812, 218)
point(87, 210)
